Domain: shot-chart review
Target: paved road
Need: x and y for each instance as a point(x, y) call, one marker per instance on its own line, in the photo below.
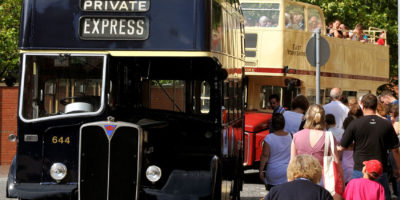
point(252, 189)
point(3, 181)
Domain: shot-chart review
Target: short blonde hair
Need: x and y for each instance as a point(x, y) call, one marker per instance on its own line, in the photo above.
point(315, 117)
point(305, 166)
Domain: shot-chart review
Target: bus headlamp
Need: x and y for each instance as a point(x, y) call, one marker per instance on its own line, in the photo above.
point(153, 173)
point(58, 171)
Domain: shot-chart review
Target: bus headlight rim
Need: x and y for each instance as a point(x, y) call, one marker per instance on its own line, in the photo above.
point(58, 171)
point(153, 173)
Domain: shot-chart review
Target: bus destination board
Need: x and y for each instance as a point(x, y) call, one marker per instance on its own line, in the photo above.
point(115, 5)
point(113, 28)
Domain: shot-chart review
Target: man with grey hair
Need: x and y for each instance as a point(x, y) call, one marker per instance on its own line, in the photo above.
point(264, 22)
point(336, 108)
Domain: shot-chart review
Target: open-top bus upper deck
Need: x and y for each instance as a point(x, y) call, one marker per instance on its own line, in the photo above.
point(277, 49)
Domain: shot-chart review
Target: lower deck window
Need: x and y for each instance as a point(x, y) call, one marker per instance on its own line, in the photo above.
point(167, 95)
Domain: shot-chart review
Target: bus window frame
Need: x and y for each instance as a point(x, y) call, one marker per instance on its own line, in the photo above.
point(321, 16)
point(64, 116)
point(279, 24)
point(306, 15)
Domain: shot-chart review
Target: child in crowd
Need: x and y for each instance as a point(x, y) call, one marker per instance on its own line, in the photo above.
point(366, 187)
point(331, 126)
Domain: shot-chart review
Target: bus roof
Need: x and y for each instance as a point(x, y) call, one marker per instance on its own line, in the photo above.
point(156, 25)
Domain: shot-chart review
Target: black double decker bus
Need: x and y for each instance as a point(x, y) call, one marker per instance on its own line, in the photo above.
point(129, 99)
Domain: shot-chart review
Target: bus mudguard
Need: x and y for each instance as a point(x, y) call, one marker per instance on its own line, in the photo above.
point(35, 190)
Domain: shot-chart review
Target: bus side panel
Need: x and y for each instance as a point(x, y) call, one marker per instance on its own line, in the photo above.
point(363, 65)
point(269, 48)
point(294, 49)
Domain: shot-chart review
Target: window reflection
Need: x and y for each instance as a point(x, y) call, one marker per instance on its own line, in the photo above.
point(314, 19)
point(261, 14)
point(294, 17)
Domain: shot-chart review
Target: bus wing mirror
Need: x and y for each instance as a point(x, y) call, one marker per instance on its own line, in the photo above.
point(223, 74)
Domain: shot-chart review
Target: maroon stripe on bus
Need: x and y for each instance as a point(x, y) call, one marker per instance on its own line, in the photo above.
point(234, 71)
point(309, 72)
point(263, 70)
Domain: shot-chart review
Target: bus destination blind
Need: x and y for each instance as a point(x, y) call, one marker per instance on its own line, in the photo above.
point(115, 5)
point(113, 28)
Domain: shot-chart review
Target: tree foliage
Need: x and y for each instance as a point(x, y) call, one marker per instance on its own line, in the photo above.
point(9, 29)
point(370, 13)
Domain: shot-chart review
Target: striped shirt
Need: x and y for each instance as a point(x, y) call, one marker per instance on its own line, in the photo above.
point(280, 109)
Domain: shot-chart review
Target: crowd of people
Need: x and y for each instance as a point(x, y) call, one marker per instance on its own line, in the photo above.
point(338, 30)
point(334, 29)
point(366, 148)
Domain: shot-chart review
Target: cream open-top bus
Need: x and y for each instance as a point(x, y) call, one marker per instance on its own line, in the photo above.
point(277, 32)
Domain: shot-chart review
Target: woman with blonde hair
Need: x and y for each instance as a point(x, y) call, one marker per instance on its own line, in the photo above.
point(311, 140)
point(304, 173)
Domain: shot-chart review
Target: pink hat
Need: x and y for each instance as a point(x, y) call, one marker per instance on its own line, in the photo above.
point(373, 167)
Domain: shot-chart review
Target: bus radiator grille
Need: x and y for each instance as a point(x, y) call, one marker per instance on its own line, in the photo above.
point(108, 164)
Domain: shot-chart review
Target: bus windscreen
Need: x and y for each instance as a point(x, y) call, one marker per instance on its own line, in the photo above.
point(61, 85)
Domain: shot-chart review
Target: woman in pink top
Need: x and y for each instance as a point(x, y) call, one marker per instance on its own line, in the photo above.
point(311, 140)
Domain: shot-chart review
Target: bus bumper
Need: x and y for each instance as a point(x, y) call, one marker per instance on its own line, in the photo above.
point(185, 185)
point(39, 191)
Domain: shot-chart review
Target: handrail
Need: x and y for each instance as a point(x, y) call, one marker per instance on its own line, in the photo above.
point(373, 33)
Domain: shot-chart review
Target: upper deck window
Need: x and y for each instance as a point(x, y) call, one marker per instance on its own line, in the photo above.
point(261, 14)
point(314, 19)
point(294, 17)
point(56, 85)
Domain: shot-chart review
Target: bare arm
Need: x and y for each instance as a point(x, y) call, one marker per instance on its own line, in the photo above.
point(340, 149)
point(263, 160)
point(338, 155)
point(293, 152)
point(337, 34)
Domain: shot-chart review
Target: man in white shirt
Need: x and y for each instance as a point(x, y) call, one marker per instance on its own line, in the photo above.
point(337, 108)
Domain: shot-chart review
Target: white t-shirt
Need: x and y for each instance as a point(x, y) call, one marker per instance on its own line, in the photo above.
point(337, 109)
point(292, 121)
